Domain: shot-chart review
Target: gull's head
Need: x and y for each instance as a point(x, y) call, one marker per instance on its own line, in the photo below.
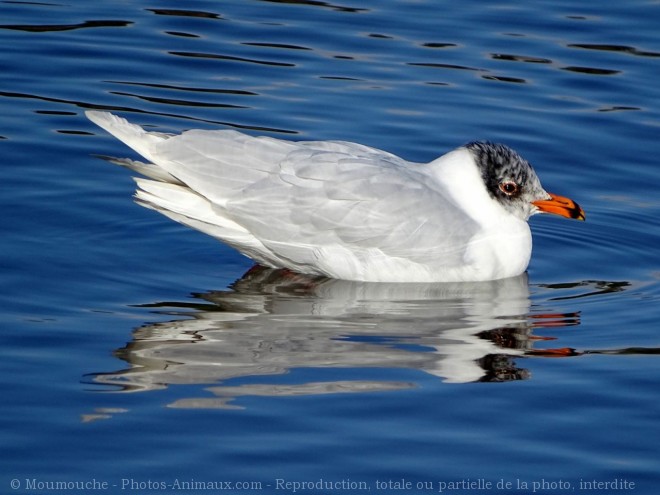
point(512, 182)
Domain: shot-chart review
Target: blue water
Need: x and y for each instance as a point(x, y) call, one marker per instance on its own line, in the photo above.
point(137, 356)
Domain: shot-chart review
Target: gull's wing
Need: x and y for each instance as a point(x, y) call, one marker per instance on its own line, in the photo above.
point(298, 198)
point(313, 205)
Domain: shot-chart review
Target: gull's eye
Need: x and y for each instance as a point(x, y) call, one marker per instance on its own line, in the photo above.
point(509, 188)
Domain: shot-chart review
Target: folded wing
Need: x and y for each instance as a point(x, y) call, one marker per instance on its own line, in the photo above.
point(332, 208)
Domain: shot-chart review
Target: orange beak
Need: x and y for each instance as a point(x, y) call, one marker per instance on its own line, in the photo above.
point(560, 205)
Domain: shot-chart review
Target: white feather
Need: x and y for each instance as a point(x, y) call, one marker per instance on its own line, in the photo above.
point(331, 208)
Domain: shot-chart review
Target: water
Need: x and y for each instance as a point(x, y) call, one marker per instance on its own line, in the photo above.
point(135, 352)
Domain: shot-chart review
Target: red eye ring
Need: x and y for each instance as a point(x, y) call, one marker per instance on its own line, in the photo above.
point(509, 188)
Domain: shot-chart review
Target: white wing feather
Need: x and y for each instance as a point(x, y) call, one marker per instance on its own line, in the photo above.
point(338, 209)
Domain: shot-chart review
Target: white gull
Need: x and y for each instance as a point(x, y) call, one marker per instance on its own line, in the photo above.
point(344, 210)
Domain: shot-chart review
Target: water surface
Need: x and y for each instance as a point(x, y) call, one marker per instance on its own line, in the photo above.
point(137, 351)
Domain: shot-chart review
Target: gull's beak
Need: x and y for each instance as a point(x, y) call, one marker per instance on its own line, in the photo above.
point(560, 205)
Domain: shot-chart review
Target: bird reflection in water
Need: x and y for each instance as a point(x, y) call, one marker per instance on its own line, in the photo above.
point(271, 322)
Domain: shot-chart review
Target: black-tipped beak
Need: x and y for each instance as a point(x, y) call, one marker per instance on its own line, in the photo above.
point(559, 205)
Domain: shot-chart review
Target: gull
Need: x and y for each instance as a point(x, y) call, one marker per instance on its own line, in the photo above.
point(345, 210)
